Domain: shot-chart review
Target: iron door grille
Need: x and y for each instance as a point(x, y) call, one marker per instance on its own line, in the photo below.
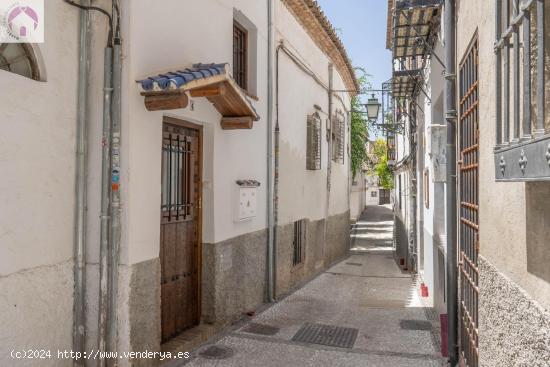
point(177, 175)
point(469, 207)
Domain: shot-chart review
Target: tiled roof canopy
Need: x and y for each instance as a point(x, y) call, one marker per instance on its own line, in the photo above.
point(311, 17)
point(173, 80)
point(413, 24)
point(404, 83)
point(168, 91)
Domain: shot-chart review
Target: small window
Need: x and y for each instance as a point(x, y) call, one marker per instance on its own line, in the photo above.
point(19, 58)
point(240, 55)
point(373, 194)
point(299, 242)
point(313, 144)
point(338, 137)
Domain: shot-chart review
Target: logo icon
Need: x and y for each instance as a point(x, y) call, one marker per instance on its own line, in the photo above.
point(22, 21)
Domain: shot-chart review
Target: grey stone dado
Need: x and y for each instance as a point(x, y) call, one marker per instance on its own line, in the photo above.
point(514, 330)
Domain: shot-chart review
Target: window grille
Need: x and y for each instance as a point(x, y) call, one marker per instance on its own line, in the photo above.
point(240, 55)
point(19, 58)
point(313, 146)
point(338, 137)
point(177, 174)
point(299, 242)
point(522, 50)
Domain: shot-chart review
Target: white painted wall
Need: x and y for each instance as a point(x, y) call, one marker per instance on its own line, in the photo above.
point(37, 155)
point(358, 198)
point(302, 192)
point(228, 155)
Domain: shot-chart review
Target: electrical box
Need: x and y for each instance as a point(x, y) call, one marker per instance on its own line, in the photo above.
point(247, 199)
point(437, 145)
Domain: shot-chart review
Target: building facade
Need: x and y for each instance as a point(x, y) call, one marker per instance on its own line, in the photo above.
point(200, 120)
point(480, 67)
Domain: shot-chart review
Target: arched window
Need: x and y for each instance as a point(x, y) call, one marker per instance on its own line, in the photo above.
point(19, 58)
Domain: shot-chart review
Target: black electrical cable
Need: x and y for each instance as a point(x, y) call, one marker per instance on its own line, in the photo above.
point(102, 11)
point(117, 28)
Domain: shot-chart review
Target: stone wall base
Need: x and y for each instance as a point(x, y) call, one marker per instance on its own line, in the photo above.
point(514, 329)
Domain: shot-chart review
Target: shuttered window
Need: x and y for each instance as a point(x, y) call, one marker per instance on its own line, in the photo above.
point(338, 137)
point(313, 153)
point(240, 55)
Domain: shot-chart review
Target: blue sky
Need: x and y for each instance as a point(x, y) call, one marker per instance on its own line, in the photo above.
point(361, 25)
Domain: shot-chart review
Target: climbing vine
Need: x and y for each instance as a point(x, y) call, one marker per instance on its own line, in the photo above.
point(380, 164)
point(359, 131)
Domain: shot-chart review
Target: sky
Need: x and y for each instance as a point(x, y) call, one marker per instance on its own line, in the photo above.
point(361, 25)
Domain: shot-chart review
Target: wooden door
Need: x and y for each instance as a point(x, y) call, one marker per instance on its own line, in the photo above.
point(469, 207)
point(180, 227)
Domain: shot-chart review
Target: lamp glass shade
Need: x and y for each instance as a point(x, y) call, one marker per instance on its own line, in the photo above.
point(373, 107)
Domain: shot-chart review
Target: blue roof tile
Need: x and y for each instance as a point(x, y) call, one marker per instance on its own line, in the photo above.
point(179, 78)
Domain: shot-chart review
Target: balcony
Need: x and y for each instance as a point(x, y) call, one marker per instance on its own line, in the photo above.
point(404, 83)
point(413, 27)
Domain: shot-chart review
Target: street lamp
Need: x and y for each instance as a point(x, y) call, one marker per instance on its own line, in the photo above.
point(373, 107)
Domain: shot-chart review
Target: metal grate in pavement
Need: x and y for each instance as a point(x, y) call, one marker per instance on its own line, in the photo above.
point(415, 325)
point(260, 329)
point(216, 352)
point(354, 264)
point(332, 336)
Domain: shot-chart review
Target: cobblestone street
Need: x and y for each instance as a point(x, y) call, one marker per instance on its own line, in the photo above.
point(365, 292)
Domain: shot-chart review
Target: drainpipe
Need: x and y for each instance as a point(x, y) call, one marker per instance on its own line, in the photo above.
point(329, 155)
point(451, 224)
point(413, 195)
point(79, 321)
point(270, 188)
point(115, 213)
point(105, 207)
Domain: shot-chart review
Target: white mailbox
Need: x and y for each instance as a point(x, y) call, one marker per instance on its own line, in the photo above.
point(247, 191)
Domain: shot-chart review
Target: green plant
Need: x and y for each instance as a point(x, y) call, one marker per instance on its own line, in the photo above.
point(380, 166)
point(359, 131)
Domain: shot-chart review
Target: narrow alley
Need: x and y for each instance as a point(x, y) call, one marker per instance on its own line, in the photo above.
point(363, 311)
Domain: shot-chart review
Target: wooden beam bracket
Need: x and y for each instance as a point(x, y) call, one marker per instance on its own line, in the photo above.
point(171, 101)
point(235, 123)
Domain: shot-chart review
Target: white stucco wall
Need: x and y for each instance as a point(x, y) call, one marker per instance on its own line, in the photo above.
point(227, 155)
point(358, 195)
point(37, 161)
point(302, 192)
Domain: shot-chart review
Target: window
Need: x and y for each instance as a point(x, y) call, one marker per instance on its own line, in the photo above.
point(19, 58)
point(240, 55)
point(338, 137)
point(522, 51)
point(373, 194)
point(177, 173)
point(298, 243)
point(313, 144)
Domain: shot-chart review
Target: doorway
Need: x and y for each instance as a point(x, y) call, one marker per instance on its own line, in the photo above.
point(180, 226)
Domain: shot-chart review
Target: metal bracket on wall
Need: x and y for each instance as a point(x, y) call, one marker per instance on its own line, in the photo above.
point(449, 76)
